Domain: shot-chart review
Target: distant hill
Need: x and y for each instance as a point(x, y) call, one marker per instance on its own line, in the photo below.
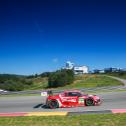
point(13, 82)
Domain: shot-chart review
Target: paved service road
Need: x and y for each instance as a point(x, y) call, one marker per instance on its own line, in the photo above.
point(119, 79)
point(114, 100)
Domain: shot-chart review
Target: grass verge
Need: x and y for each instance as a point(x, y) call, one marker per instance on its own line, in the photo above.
point(92, 81)
point(18, 95)
point(75, 120)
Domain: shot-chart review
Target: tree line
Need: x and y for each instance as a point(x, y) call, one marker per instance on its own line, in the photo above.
point(14, 82)
point(17, 83)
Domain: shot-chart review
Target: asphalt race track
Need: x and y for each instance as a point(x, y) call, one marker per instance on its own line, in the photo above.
point(114, 100)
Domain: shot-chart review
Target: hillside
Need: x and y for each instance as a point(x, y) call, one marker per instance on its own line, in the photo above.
point(119, 74)
point(17, 83)
point(39, 83)
point(92, 81)
point(81, 81)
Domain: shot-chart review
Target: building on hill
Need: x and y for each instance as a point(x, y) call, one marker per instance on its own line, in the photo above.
point(122, 69)
point(98, 71)
point(81, 69)
point(111, 69)
point(77, 69)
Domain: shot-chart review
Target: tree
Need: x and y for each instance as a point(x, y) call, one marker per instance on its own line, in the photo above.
point(61, 78)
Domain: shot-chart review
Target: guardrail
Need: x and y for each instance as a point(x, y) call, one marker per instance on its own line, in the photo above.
point(108, 88)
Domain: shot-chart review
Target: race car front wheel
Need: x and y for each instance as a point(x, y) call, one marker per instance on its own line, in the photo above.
point(53, 104)
point(89, 102)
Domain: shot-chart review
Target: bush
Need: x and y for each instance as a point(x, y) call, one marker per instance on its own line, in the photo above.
point(60, 78)
point(14, 82)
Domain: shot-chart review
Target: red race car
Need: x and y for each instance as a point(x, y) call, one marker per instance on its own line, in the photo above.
point(72, 98)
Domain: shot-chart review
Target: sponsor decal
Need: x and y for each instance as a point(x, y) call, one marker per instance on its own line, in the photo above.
point(81, 100)
point(68, 100)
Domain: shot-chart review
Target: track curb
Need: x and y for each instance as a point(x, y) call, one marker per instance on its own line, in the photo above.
point(15, 114)
point(33, 114)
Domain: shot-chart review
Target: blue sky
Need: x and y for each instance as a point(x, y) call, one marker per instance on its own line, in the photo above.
point(41, 35)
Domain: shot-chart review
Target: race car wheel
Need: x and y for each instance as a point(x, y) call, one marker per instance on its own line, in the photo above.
point(53, 104)
point(89, 102)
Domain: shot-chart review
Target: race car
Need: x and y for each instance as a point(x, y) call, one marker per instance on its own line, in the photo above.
point(71, 98)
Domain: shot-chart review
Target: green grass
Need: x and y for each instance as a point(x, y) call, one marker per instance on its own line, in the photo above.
point(78, 120)
point(39, 83)
point(81, 81)
point(92, 81)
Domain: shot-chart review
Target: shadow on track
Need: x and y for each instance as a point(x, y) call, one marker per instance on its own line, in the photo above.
point(41, 105)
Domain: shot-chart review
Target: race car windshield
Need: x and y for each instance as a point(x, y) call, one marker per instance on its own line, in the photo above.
point(74, 94)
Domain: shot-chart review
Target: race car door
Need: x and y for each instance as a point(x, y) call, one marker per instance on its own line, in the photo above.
point(72, 99)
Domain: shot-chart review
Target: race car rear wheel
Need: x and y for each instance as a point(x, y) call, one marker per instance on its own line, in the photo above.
point(53, 104)
point(89, 102)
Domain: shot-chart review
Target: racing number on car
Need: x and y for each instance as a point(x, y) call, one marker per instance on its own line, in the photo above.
point(81, 100)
